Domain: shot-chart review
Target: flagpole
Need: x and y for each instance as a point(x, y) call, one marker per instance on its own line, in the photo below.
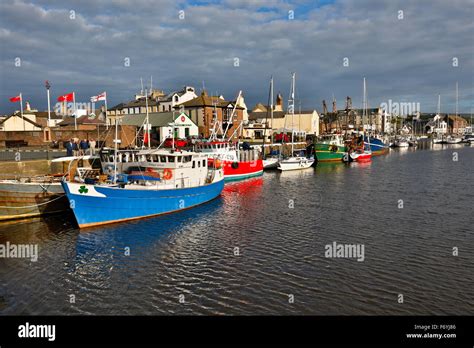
point(106, 120)
point(21, 111)
point(49, 103)
point(74, 102)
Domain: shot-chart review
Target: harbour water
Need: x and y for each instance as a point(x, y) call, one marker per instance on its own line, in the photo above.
point(260, 248)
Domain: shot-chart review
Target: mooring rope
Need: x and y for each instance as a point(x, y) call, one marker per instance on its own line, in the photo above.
point(33, 206)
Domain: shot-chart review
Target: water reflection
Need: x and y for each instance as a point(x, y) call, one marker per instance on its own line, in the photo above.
point(279, 225)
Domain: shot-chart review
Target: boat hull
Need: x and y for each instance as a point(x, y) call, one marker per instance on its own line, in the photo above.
point(366, 156)
point(376, 146)
point(329, 153)
point(270, 163)
point(242, 170)
point(402, 144)
point(98, 205)
point(295, 164)
point(25, 200)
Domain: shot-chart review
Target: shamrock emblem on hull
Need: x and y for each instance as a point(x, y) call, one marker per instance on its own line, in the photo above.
point(83, 189)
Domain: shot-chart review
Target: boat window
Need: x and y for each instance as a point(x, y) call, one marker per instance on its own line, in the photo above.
point(203, 162)
point(156, 158)
point(171, 159)
point(179, 159)
point(194, 164)
point(187, 159)
point(199, 164)
point(163, 159)
point(149, 158)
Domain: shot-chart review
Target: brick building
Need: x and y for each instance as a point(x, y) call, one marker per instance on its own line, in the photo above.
point(205, 109)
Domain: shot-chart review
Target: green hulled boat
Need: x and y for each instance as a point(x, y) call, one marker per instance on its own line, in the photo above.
point(330, 148)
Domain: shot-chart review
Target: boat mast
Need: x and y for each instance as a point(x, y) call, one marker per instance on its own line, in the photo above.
point(364, 112)
point(270, 96)
point(365, 115)
point(231, 120)
point(457, 98)
point(115, 149)
point(438, 113)
point(291, 108)
point(147, 120)
point(271, 109)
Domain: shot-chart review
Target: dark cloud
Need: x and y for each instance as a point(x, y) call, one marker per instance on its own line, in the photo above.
point(403, 60)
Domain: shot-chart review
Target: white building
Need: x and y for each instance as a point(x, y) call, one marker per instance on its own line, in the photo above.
point(161, 124)
point(174, 98)
point(17, 123)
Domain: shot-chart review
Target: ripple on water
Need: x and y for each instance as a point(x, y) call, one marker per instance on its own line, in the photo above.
point(263, 241)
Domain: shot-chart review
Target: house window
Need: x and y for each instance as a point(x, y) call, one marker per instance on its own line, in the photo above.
point(176, 98)
point(186, 132)
point(137, 110)
point(47, 135)
point(227, 115)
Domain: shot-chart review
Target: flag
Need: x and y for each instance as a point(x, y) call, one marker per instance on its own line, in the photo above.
point(99, 97)
point(66, 97)
point(15, 99)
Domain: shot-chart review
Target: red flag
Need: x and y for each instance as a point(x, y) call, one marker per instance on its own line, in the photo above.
point(15, 99)
point(66, 97)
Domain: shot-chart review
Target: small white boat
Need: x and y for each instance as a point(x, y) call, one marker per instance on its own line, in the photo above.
point(270, 163)
point(295, 163)
point(453, 140)
point(468, 138)
point(402, 143)
point(357, 156)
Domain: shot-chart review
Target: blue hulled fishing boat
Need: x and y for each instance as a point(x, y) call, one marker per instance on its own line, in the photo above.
point(166, 181)
point(376, 145)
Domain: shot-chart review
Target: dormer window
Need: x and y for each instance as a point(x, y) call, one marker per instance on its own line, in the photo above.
point(176, 98)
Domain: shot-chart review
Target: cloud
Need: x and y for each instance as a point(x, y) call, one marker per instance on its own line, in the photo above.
point(407, 59)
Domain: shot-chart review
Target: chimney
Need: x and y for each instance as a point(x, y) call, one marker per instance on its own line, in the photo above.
point(279, 103)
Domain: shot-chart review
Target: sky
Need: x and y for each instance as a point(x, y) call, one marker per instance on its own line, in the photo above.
point(409, 51)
